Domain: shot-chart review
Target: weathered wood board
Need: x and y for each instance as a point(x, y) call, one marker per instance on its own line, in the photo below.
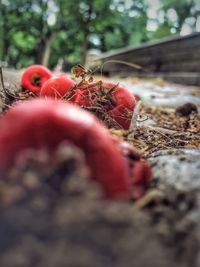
point(175, 59)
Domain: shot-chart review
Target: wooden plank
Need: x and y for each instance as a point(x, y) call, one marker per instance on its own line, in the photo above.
point(158, 61)
point(179, 55)
point(192, 38)
point(167, 55)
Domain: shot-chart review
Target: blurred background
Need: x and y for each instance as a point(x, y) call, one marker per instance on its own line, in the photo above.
point(62, 32)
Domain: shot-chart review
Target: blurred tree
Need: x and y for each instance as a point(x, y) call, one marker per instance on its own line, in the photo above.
point(23, 27)
point(44, 31)
point(127, 27)
point(36, 29)
point(85, 18)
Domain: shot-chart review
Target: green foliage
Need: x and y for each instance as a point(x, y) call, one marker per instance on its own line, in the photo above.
point(44, 31)
point(23, 41)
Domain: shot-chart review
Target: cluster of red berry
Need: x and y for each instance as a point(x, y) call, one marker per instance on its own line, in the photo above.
point(45, 123)
point(38, 79)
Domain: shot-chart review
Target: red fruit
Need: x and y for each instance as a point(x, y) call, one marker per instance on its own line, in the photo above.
point(140, 172)
point(57, 87)
point(84, 97)
point(34, 77)
point(41, 123)
point(121, 105)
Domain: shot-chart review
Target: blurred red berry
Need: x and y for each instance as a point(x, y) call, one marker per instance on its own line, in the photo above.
point(34, 77)
point(57, 87)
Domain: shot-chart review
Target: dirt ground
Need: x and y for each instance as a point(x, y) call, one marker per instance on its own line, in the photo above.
point(43, 225)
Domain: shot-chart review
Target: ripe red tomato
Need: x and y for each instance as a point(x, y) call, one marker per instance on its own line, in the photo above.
point(34, 77)
point(47, 123)
point(57, 87)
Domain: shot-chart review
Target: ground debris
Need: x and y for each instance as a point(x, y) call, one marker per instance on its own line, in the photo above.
point(186, 109)
point(168, 130)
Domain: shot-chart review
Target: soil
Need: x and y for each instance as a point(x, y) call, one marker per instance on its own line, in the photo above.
point(53, 217)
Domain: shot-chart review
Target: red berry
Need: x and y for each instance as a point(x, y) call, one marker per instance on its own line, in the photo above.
point(84, 97)
point(34, 77)
point(140, 172)
point(120, 108)
point(141, 175)
point(123, 105)
point(57, 87)
point(46, 123)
